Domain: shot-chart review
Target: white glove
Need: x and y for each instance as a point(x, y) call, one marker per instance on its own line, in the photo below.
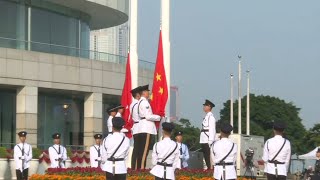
point(99, 159)
point(22, 158)
point(60, 156)
point(181, 156)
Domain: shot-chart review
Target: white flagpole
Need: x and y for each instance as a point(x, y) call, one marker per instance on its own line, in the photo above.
point(165, 28)
point(134, 42)
point(231, 100)
point(239, 96)
point(248, 102)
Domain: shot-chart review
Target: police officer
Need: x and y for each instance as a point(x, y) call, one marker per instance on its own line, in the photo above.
point(146, 128)
point(183, 150)
point(22, 155)
point(135, 118)
point(57, 153)
point(112, 111)
point(95, 154)
point(225, 154)
point(165, 155)
point(114, 152)
point(277, 153)
point(208, 131)
point(120, 110)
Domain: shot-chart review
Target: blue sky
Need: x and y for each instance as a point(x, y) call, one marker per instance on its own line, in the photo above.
point(278, 40)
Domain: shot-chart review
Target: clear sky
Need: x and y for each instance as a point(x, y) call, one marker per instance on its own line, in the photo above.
point(278, 40)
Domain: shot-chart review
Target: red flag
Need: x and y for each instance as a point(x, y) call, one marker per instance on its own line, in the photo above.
point(126, 98)
point(159, 95)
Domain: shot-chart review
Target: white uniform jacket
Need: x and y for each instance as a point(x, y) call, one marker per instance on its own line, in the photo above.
point(95, 156)
point(55, 152)
point(109, 146)
point(17, 154)
point(146, 117)
point(208, 131)
point(160, 151)
point(184, 154)
point(134, 115)
point(220, 149)
point(271, 148)
point(110, 124)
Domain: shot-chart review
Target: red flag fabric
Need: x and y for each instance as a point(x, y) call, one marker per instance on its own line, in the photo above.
point(159, 95)
point(126, 98)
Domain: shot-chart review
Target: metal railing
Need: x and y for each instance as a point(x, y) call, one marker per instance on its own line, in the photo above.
point(69, 51)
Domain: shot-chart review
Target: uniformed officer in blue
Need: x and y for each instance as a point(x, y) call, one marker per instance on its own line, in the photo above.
point(277, 154)
point(57, 153)
point(95, 153)
point(22, 155)
point(183, 149)
point(114, 152)
point(208, 132)
point(165, 155)
point(225, 154)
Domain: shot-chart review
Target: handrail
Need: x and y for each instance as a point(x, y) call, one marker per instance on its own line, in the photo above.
point(70, 51)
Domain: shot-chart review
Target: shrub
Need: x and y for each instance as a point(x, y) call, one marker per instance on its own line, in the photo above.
point(3, 152)
point(36, 153)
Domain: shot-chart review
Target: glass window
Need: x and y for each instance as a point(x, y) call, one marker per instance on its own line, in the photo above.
point(85, 40)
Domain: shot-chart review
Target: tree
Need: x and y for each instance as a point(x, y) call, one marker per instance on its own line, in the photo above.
point(191, 134)
point(264, 110)
point(312, 138)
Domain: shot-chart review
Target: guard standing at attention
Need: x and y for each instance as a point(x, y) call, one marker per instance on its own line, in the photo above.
point(165, 155)
point(95, 153)
point(22, 154)
point(208, 132)
point(57, 153)
point(277, 154)
point(225, 155)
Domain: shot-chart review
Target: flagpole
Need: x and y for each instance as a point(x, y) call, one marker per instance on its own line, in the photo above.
point(248, 102)
point(165, 28)
point(239, 96)
point(133, 43)
point(231, 101)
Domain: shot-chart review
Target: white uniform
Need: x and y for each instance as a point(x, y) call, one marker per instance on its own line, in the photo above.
point(54, 155)
point(95, 156)
point(110, 124)
point(18, 154)
point(220, 149)
point(134, 115)
point(160, 151)
point(146, 117)
point(184, 154)
point(108, 147)
point(271, 148)
point(208, 131)
point(118, 115)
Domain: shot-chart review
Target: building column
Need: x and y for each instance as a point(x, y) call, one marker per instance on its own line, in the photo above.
point(92, 118)
point(27, 113)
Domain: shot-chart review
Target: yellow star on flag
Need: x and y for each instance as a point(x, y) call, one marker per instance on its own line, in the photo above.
point(161, 90)
point(158, 77)
point(151, 97)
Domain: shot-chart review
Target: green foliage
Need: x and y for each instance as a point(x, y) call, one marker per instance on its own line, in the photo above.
point(3, 152)
point(69, 153)
point(264, 110)
point(311, 139)
point(190, 134)
point(36, 153)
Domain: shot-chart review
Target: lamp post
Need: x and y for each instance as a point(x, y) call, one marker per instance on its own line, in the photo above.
point(65, 108)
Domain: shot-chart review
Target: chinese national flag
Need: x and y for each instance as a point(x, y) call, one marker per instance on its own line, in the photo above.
point(160, 89)
point(126, 99)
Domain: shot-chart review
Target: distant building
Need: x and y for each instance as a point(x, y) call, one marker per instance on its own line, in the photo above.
point(174, 104)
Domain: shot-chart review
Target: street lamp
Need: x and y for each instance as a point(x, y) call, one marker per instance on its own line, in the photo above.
point(65, 108)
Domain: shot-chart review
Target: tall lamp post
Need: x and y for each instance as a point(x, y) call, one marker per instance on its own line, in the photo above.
point(65, 108)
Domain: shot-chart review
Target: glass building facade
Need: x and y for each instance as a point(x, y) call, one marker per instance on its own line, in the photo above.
point(38, 25)
point(7, 117)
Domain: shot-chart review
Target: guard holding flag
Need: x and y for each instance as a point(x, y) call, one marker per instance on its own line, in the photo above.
point(208, 132)
point(22, 155)
point(57, 153)
point(183, 149)
point(277, 154)
point(146, 128)
point(114, 152)
point(225, 155)
point(165, 155)
point(95, 153)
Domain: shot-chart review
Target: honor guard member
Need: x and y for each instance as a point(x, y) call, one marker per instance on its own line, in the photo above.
point(208, 132)
point(22, 155)
point(135, 118)
point(112, 111)
point(225, 154)
point(183, 150)
point(114, 152)
point(57, 153)
point(95, 153)
point(147, 127)
point(165, 155)
point(277, 153)
point(120, 110)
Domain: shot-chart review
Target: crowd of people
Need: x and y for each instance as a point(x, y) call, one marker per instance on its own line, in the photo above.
point(110, 153)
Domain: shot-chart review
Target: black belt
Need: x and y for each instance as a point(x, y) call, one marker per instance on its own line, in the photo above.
point(224, 164)
point(204, 130)
point(142, 118)
point(164, 164)
point(136, 122)
point(115, 159)
point(275, 162)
